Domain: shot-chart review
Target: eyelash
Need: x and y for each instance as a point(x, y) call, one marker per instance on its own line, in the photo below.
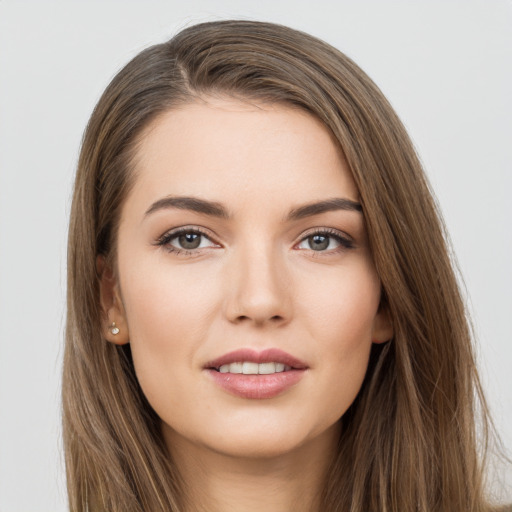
point(165, 240)
point(345, 243)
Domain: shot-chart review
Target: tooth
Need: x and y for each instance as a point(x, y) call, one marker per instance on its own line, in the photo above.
point(250, 368)
point(266, 368)
point(236, 368)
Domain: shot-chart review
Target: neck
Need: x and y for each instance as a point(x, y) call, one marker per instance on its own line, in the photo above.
point(217, 482)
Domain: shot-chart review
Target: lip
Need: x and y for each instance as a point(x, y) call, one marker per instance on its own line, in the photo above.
point(256, 386)
point(265, 356)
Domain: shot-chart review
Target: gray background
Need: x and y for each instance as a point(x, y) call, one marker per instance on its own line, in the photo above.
point(444, 65)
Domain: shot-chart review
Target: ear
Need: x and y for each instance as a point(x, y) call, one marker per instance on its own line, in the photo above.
point(113, 319)
point(382, 330)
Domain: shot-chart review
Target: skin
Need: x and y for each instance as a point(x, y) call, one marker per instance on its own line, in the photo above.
point(254, 282)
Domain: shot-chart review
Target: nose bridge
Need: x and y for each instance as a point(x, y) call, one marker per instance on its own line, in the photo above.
point(259, 288)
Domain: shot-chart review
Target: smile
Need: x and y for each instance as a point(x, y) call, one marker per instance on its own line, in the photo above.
point(250, 368)
point(250, 374)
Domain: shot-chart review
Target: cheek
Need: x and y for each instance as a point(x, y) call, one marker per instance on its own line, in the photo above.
point(169, 312)
point(339, 314)
point(161, 299)
point(341, 307)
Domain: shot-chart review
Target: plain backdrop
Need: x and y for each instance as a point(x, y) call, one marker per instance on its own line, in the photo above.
point(446, 66)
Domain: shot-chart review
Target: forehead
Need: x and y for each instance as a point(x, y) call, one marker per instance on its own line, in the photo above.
point(226, 149)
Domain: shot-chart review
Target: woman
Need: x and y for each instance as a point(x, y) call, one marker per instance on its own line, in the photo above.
point(262, 314)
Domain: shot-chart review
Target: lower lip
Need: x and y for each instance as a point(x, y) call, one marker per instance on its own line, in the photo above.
point(257, 386)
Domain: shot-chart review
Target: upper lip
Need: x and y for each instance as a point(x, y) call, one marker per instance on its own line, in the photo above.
point(269, 355)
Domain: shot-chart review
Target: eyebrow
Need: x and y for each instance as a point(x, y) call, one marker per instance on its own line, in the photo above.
point(329, 205)
point(211, 208)
point(215, 209)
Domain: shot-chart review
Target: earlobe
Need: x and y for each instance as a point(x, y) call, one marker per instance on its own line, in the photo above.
point(382, 326)
point(113, 318)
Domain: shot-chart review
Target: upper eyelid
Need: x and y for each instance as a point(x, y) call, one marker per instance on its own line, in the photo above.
point(188, 229)
point(325, 230)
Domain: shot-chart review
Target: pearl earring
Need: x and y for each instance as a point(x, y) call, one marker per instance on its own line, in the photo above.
point(114, 329)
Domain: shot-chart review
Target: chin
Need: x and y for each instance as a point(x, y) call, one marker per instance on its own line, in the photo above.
point(257, 446)
point(270, 441)
point(247, 432)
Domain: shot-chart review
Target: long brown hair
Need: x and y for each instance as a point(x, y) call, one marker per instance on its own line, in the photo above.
point(409, 440)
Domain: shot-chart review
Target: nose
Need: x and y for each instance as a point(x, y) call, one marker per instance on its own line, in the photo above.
point(259, 291)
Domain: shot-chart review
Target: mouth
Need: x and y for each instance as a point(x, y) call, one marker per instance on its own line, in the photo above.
point(250, 368)
point(252, 362)
point(250, 374)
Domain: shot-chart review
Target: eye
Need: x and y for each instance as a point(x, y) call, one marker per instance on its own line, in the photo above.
point(325, 241)
point(185, 240)
point(188, 240)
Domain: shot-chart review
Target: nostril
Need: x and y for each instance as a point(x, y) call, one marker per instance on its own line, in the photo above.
point(272, 319)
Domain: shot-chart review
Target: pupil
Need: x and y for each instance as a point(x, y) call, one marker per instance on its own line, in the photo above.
point(190, 240)
point(318, 242)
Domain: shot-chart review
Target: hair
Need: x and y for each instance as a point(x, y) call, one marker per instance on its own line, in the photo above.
point(409, 441)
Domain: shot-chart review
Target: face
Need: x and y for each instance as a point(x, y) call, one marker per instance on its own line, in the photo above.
point(245, 284)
